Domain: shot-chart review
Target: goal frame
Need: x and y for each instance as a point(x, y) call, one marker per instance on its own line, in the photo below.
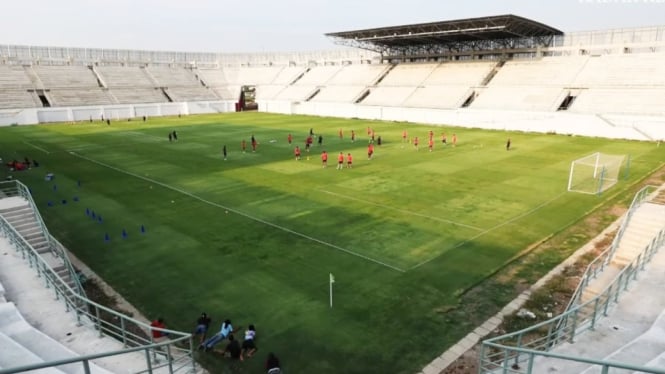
point(601, 177)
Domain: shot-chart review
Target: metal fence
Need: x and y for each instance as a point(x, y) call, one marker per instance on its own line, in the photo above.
point(176, 353)
point(516, 352)
point(597, 266)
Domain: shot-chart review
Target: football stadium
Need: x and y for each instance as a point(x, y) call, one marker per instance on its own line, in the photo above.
point(478, 195)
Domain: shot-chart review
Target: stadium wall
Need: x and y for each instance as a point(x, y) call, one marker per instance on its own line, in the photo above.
point(9, 117)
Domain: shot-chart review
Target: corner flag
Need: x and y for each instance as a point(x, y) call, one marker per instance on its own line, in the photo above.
point(332, 280)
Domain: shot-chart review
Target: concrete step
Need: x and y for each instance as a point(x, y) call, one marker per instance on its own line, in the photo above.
point(35, 341)
point(29, 230)
point(658, 362)
point(21, 221)
point(32, 235)
point(14, 354)
point(640, 351)
point(16, 209)
point(15, 213)
point(598, 285)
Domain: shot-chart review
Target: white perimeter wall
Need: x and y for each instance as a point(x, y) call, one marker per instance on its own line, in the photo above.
point(613, 127)
point(10, 117)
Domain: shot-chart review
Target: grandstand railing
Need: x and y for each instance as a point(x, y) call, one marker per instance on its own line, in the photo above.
point(47, 55)
point(603, 260)
point(16, 188)
point(516, 352)
point(176, 353)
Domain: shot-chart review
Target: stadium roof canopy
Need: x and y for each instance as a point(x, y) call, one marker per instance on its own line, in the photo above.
point(485, 33)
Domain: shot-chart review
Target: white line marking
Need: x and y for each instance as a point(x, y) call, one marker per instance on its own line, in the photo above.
point(528, 212)
point(241, 213)
point(149, 136)
point(37, 147)
point(403, 211)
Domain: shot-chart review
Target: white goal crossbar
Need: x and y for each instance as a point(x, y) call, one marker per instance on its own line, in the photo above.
point(595, 173)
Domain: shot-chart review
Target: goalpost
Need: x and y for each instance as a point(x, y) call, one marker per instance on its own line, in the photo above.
point(595, 173)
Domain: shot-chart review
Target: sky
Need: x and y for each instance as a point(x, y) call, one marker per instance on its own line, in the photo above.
point(239, 26)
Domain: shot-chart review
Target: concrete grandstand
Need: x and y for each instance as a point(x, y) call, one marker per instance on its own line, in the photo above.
point(608, 83)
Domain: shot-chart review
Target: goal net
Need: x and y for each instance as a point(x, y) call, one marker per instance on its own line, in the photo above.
point(595, 173)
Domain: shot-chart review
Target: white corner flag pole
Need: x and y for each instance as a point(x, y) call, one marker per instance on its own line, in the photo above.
point(332, 280)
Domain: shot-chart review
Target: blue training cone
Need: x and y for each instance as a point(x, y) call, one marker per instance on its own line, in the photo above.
point(78, 183)
point(92, 214)
point(64, 201)
point(99, 218)
point(50, 203)
point(142, 229)
point(87, 211)
point(55, 187)
point(124, 234)
point(75, 198)
point(107, 238)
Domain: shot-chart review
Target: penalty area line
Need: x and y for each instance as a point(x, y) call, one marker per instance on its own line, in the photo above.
point(211, 203)
point(37, 147)
point(504, 223)
point(403, 211)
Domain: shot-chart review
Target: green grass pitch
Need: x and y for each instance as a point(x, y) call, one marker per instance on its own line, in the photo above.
point(254, 238)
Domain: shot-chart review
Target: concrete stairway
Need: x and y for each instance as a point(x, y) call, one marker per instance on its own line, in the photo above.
point(15, 327)
point(641, 350)
point(18, 212)
point(633, 332)
point(643, 227)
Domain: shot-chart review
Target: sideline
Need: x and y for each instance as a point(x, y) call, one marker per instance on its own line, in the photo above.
point(211, 203)
point(37, 147)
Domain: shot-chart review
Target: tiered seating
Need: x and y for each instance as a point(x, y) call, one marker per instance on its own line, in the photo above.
point(268, 92)
point(339, 93)
point(438, 97)
point(80, 97)
point(124, 76)
point(357, 75)
point(630, 84)
point(172, 77)
point(14, 99)
point(408, 75)
point(621, 100)
point(630, 70)
point(14, 77)
point(449, 85)
point(35, 345)
point(388, 96)
point(548, 71)
point(520, 98)
point(295, 93)
point(256, 75)
point(213, 77)
point(14, 354)
point(228, 92)
point(182, 94)
point(535, 85)
point(288, 74)
point(459, 73)
point(318, 76)
point(66, 76)
point(138, 95)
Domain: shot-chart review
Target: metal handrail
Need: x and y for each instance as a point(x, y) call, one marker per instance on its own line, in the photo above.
point(605, 365)
point(54, 245)
point(513, 349)
point(90, 312)
point(602, 260)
